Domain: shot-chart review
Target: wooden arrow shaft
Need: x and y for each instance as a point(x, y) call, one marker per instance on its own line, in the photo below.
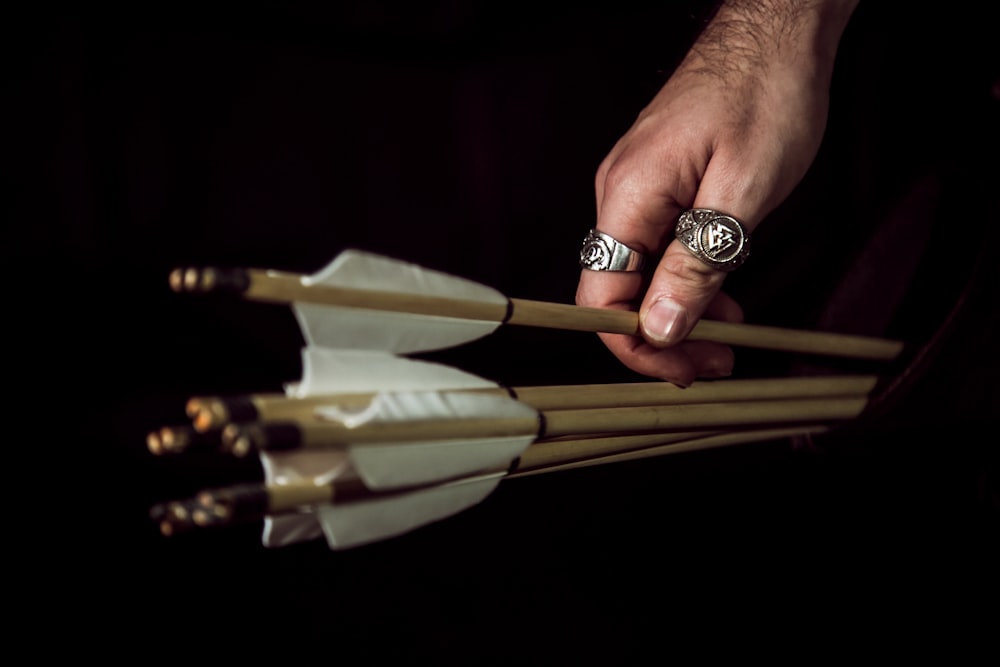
point(581, 318)
point(288, 288)
point(700, 416)
point(557, 456)
point(209, 412)
point(554, 423)
point(251, 501)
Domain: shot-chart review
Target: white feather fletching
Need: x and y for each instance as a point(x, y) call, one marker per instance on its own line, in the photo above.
point(356, 328)
point(356, 524)
point(407, 389)
point(394, 465)
point(331, 371)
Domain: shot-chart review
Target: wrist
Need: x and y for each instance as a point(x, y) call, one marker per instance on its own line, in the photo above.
point(754, 37)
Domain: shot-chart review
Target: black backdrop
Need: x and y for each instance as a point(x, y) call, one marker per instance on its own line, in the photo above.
point(464, 137)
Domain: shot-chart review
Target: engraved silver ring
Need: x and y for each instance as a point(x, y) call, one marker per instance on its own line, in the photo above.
point(717, 239)
point(601, 252)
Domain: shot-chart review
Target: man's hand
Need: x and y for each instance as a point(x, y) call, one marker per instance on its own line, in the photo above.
point(734, 129)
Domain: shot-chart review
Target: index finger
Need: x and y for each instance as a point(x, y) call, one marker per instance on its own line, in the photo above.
point(643, 222)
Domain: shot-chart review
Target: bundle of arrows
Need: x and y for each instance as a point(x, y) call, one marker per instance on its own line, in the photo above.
point(371, 443)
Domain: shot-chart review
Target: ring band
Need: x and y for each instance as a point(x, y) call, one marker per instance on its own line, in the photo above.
point(717, 239)
point(601, 252)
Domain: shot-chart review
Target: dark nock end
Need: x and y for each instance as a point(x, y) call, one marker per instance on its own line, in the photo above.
point(176, 516)
point(209, 279)
point(234, 409)
point(241, 502)
point(177, 439)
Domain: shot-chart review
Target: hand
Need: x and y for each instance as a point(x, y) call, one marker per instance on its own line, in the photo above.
point(734, 129)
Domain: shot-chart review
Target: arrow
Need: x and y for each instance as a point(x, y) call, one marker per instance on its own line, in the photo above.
point(349, 515)
point(388, 467)
point(405, 436)
point(400, 458)
point(210, 414)
point(381, 426)
point(362, 300)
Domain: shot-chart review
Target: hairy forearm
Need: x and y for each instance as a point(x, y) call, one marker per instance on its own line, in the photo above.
point(752, 37)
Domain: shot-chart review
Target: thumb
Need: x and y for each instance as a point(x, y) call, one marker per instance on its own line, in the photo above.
point(683, 284)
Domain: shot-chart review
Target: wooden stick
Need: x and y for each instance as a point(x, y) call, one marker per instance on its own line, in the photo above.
point(557, 451)
point(242, 502)
point(674, 418)
point(586, 396)
point(240, 439)
point(211, 412)
point(686, 444)
point(286, 288)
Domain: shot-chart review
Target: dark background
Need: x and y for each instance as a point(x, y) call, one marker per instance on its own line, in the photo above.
point(464, 137)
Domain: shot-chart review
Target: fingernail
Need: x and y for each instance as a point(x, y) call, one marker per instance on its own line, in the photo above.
point(665, 321)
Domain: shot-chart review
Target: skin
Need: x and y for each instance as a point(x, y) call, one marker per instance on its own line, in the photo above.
point(734, 128)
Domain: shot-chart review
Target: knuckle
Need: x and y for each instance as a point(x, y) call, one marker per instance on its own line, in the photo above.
point(601, 176)
point(620, 177)
point(689, 272)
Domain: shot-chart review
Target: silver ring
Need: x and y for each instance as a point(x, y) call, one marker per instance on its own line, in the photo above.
point(601, 252)
point(715, 238)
